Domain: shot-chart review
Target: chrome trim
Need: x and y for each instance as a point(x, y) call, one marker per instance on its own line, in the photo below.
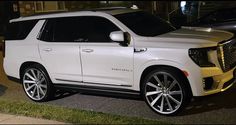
point(92, 83)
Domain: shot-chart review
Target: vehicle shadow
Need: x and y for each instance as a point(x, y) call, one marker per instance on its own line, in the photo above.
point(63, 93)
point(112, 95)
point(2, 89)
point(212, 102)
point(60, 93)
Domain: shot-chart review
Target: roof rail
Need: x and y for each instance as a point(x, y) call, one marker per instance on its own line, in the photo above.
point(52, 12)
point(93, 9)
point(44, 13)
point(107, 8)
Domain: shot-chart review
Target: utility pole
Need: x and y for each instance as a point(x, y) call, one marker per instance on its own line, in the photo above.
point(198, 11)
point(107, 3)
point(167, 10)
point(154, 7)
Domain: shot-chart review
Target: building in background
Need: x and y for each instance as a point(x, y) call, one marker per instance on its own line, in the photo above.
point(32, 7)
point(8, 10)
point(169, 10)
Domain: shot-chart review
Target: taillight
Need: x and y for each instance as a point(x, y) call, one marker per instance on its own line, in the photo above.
point(3, 48)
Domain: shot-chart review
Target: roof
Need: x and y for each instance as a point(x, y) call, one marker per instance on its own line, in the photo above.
point(96, 11)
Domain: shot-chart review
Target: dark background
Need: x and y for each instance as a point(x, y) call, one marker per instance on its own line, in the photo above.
point(169, 10)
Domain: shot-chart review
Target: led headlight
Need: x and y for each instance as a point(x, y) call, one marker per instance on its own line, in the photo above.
point(221, 57)
point(200, 56)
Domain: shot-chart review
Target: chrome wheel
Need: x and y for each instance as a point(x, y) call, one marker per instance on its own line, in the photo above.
point(163, 93)
point(35, 84)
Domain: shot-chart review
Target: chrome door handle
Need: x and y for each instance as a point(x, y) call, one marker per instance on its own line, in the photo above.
point(47, 49)
point(140, 50)
point(87, 50)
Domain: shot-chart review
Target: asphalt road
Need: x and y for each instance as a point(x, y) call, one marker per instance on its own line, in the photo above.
point(215, 109)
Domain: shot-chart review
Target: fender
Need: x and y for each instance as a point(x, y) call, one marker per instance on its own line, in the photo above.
point(138, 72)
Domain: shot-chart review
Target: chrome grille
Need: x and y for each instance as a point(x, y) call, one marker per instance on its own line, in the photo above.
point(227, 54)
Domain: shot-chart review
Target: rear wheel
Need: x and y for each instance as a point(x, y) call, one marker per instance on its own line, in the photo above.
point(37, 84)
point(165, 91)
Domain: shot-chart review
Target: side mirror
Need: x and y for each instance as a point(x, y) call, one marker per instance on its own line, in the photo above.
point(122, 37)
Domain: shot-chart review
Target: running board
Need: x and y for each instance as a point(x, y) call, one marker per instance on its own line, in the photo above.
point(100, 90)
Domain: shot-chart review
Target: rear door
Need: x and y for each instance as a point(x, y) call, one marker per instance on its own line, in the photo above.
point(60, 51)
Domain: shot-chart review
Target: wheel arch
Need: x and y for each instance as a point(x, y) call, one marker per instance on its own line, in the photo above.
point(153, 67)
point(27, 64)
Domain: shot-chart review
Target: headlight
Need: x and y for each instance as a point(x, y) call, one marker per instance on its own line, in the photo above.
point(221, 57)
point(200, 56)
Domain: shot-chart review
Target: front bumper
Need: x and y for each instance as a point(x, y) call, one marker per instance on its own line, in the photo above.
point(221, 81)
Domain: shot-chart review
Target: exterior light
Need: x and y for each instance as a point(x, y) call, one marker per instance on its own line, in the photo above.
point(134, 7)
point(209, 30)
point(182, 3)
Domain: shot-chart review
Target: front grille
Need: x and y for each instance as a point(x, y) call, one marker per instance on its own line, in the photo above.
point(227, 54)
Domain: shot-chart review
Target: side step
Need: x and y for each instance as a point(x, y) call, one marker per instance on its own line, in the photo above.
point(95, 90)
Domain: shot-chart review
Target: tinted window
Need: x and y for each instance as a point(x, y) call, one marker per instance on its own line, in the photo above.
point(225, 15)
point(19, 30)
point(47, 33)
point(145, 24)
point(208, 19)
point(78, 29)
point(217, 17)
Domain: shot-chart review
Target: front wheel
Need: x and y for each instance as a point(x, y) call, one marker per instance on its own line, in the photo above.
point(37, 84)
point(165, 91)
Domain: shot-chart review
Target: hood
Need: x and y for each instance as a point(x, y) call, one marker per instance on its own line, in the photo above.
point(190, 37)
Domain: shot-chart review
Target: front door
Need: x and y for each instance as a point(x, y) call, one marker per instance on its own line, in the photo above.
point(107, 63)
point(104, 62)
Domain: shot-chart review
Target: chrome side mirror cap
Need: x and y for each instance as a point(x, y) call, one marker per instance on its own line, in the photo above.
point(117, 36)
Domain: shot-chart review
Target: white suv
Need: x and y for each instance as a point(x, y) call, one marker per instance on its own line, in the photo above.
point(125, 51)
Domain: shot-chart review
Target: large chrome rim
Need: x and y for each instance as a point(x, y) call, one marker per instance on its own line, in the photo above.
point(35, 84)
point(163, 93)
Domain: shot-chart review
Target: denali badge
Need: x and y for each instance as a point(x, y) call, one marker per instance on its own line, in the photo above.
point(124, 70)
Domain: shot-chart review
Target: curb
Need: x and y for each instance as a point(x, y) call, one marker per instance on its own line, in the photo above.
point(16, 119)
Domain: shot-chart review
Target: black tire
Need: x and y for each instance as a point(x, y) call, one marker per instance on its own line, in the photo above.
point(45, 89)
point(162, 91)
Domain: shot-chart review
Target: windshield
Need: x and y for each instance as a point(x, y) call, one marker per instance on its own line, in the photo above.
point(145, 24)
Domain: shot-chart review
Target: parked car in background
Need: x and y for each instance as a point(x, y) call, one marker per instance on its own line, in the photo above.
point(222, 19)
point(121, 50)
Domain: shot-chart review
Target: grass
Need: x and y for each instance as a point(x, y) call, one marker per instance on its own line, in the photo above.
point(66, 114)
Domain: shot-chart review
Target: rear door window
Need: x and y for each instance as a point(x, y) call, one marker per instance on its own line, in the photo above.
point(19, 30)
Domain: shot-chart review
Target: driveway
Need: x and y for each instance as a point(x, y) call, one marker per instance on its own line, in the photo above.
point(215, 109)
